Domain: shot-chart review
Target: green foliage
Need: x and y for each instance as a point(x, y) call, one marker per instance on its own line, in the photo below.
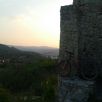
point(4, 95)
point(49, 89)
point(28, 73)
point(48, 66)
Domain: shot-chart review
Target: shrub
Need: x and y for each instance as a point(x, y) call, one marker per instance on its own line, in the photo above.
point(4, 95)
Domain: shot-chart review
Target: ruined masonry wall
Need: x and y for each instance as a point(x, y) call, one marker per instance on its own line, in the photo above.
point(81, 33)
point(69, 32)
point(75, 90)
point(90, 36)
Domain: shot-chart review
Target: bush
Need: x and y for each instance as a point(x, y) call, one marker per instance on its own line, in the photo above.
point(49, 89)
point(4, 95)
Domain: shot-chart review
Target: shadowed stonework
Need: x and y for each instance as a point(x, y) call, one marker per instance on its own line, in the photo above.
point(81, 34)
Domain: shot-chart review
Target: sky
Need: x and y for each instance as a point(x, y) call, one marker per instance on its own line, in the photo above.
point(31, 22)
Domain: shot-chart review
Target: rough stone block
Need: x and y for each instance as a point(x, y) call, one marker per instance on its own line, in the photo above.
point(75, 90)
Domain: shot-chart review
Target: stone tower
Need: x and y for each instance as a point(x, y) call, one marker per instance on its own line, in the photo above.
point(81, 33)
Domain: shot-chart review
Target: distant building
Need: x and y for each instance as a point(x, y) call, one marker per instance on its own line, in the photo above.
point(4, 60)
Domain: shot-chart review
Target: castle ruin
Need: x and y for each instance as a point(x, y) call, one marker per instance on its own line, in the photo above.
point(81, 34)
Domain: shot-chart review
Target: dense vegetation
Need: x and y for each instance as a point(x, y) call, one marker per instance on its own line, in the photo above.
point(26, 76)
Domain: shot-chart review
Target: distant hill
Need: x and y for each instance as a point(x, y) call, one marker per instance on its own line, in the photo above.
point(9, 51)
point(44, 50)
point(4, 50)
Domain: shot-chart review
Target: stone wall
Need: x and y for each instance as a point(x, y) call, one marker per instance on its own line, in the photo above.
point(81, 33)
point(75, 90)
point(79, 2)
point(90, 42)
point(69, 37)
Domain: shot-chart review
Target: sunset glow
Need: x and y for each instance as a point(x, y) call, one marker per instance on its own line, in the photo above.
point(30, 22)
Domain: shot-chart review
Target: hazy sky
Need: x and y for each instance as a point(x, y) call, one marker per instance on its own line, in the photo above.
point(30, 22)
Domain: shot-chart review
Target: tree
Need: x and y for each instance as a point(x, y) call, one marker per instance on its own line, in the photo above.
point(4, 95)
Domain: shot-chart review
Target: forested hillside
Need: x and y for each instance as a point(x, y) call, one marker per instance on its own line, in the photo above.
point(26, 76)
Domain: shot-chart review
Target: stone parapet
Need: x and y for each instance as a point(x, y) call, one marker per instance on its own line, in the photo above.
point(75, 90)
